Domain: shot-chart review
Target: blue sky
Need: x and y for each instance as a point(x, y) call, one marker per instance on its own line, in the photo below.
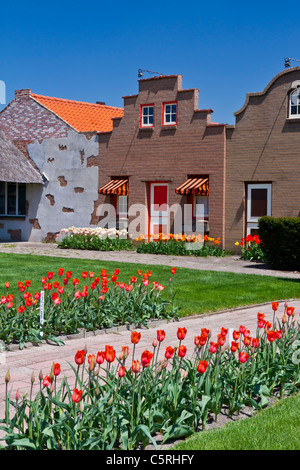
point(92, 51)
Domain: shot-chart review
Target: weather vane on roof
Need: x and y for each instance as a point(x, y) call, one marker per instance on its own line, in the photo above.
point(287, 61)
point(141, 72)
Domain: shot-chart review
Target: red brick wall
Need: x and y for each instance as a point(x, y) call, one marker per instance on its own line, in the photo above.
point(194, 146)
point(264, 146)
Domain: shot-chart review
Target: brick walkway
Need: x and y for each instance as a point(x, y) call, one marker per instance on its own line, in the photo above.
point(34, 359)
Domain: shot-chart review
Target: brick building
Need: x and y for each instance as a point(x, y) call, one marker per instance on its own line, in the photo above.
point(263, 157)
point(163, 153)
point(59, 138)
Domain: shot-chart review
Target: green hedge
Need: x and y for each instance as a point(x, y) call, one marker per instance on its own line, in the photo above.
point(281, 241)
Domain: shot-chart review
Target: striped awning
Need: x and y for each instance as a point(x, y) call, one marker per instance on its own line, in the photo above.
point(116, 186)
point(196, 185)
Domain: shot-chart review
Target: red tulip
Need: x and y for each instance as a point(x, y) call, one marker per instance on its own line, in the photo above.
point(278, 334)
point(79, 357)
point(169, 352)
point(234, 346)
point(243, 357)
point(136, 366)
point(290, 311)
point(146, 358)
point(60, 271)
point(46, 381)
point(135, 337)
point(271, 336)
point(124, 353)
point(100, 357)
point(260, 316)
point(91, 357)
point(110, 353)
point(173, 270)
point(242, 329)
point(76, 395)
point(275, 306)
point(236, 335)
point(56, 369)
point(121, 371)
point(204, 332)
point(181, 332)
point(161, 334)
point(182, 351)
point(224, 331)
point(221, 340)
point(202, 366)
point(21, 308)
point(255, 342)
point(213, 347)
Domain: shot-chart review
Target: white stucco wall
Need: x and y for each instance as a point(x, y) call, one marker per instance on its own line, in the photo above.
point(56, 158)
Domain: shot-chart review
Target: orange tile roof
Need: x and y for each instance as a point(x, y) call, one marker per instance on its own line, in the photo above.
point(84, 117)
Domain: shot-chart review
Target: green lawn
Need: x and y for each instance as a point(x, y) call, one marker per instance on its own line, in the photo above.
point(196, 291)
point(275, 428)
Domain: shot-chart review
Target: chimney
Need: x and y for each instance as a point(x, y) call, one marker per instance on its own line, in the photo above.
point(22, 94)
point(100, 102)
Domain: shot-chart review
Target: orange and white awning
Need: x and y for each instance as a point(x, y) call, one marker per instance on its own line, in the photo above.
point(197, 185)
point(116, 186)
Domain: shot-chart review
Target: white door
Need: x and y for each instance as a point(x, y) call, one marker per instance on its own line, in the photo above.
point(259, 204)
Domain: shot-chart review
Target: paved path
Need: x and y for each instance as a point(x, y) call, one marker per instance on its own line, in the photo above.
point(32, 360)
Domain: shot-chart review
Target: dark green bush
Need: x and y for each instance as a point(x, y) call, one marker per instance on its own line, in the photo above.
point(281, 241)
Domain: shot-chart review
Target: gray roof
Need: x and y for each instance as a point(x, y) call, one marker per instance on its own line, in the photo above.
point(14, 166)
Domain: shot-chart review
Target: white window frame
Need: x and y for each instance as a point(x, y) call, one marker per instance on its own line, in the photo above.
point(147, 124)
point(5, 214)
point(297, 115)
point(252, 222)
point(170, 123)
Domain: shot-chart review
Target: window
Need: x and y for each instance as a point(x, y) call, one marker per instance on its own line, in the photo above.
point(122, 207)
point(12, 198)
point(201, 207)
point(169, 114)
point(147, 116)
point(122, 212)
point(295, 103)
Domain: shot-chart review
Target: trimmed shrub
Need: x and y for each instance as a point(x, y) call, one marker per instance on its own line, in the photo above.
point(281, 241)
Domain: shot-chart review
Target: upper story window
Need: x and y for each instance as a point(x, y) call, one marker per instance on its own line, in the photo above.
point(12, 198)
point(169, 114)
point(295, 103)
point(147, 116)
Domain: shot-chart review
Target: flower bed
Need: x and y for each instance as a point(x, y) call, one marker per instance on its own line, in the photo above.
point(90, 301)
point(119, 400)
point(180, 245)
point(251, 248)
point(97, 238)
